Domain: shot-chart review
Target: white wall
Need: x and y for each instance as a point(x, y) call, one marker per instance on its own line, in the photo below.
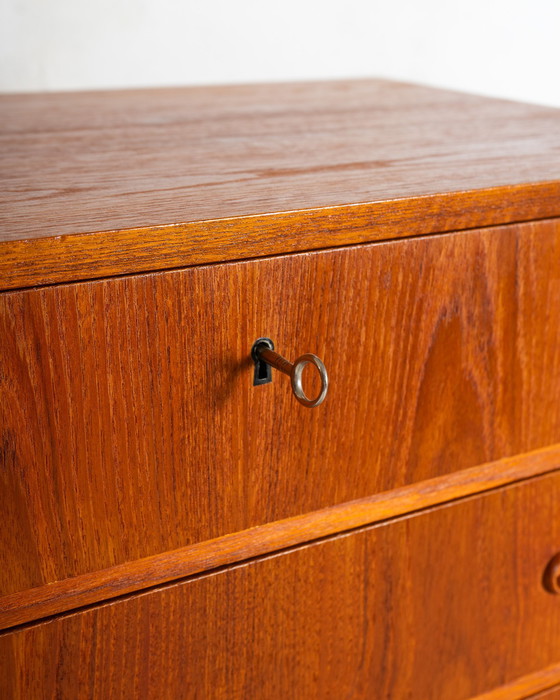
point(507, 48)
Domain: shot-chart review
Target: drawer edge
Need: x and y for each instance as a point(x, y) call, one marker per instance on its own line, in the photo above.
point(526, 687)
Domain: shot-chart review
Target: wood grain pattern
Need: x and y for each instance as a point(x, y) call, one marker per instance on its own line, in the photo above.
point(75, 162)
point(350, 617)
point(40, 261)
point(86, 589)
point(148, 175)
point(130, 426)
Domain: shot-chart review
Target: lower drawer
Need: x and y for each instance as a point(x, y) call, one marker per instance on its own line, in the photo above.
point(449, 603)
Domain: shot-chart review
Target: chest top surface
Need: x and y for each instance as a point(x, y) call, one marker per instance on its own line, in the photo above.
point(105, 183)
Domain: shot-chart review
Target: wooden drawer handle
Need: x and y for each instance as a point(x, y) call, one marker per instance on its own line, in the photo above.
point(265, 358)
point(551, 578)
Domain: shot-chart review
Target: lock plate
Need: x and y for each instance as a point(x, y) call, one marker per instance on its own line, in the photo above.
point(263, 371)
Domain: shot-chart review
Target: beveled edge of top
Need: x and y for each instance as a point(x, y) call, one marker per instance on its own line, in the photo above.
point(87, 256)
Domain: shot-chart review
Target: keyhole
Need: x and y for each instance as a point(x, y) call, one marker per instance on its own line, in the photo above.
point(263, 371)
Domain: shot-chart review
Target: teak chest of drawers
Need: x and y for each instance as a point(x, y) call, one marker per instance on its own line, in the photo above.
point(170, 530)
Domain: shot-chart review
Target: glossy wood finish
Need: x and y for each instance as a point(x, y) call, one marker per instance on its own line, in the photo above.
point(78, 591)
point(417, 608)
point(149, 175)
point(131, 426)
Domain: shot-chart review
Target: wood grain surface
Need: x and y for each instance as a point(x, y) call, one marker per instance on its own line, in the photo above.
point(41, 261)
point(447, 604)
point(173, 177)
point(60, 596)
point(130, 426)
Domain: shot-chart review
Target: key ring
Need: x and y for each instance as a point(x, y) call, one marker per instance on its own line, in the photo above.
point(265, 358)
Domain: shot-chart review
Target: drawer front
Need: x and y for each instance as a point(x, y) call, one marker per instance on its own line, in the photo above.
point(130, 425)
point(447, 604)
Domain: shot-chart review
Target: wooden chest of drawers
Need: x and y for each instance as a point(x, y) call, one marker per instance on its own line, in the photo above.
point(172, 530)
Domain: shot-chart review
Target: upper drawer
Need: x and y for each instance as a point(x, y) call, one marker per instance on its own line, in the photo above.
point(130, 424)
